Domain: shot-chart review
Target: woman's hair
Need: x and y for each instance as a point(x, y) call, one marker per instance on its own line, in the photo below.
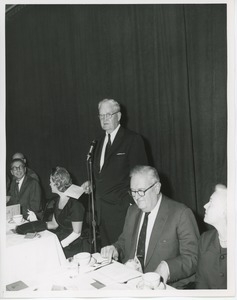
point(61, 178)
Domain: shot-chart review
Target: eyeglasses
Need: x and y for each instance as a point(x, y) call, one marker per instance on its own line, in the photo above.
point(107, 116)
point(141, 193)
point(21, 167)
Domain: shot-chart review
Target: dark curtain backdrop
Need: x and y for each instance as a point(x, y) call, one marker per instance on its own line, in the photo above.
point(166, 64)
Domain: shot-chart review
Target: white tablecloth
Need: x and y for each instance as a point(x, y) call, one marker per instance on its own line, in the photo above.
point(26, 258)
point(70, 279)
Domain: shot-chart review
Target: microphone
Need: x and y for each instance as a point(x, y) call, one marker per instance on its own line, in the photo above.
point(92, 146)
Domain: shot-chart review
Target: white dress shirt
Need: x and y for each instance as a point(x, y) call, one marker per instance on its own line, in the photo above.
point(112, 137)
point(150, 224)
point(162, 268)
point(20, 182)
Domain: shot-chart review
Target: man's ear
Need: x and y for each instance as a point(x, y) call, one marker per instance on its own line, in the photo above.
point(119, 116)
point(157, 187)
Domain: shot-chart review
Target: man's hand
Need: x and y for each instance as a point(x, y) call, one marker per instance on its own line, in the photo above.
point(31, 216)
point(87, 187)
point(109, 252)
point(163, 270)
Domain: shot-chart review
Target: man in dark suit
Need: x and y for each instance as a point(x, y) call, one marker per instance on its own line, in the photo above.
point(116, 153)
point(170, 242)
point(24, 190)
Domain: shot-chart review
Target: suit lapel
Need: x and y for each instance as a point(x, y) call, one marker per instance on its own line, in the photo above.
point(98, 154)
point(23, 186)
point(114, 146)
point(158, 227)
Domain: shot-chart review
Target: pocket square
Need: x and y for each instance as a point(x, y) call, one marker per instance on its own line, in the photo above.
point(121, 153)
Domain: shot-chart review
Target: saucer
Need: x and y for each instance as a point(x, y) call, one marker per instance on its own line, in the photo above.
point(11, 221)
point(141, 286)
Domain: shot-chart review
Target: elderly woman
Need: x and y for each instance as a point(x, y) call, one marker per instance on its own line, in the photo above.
point(68, 213)
point(212, 255)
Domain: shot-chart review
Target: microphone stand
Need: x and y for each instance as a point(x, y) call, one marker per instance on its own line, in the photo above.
point(91, 201)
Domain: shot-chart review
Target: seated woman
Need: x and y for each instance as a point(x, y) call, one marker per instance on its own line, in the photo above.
point(68, 213)
point(212, 254)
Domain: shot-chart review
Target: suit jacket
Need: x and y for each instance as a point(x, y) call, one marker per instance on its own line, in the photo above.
point(174, 239)
point(212, 262)
point(112, 182)
point(29, 196)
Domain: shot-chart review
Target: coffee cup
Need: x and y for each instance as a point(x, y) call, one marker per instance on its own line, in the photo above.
point(151, 280)
point(18, 219)
point(82, 258)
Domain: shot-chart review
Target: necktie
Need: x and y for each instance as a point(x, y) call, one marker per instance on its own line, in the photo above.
point(17, 187)
point(142, 241)
point(108, 145)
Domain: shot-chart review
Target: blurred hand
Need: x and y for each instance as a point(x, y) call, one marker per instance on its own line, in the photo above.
point(134, 264)
point(87, 187)
point(109, 252)
point(163, 270)
point(31, 216)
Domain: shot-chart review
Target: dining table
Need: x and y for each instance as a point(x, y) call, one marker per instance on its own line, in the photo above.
point(29, 255)
point(38, 267)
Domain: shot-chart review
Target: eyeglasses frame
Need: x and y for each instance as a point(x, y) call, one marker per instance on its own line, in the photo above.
point(141, 191)
point(107, 116)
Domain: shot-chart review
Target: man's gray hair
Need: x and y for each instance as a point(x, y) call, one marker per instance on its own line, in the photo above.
point(18, 155)
point(111, 101)
point(148, 171)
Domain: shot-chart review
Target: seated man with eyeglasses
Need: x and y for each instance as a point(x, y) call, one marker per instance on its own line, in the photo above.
point(24, 190)
point(159, 235)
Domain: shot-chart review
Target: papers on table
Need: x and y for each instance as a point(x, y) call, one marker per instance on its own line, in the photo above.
point(74, 191)
point(12, 210)
point(115, 272)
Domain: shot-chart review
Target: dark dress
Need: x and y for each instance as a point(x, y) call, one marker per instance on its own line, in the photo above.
point(212, 262)
point(73, 211)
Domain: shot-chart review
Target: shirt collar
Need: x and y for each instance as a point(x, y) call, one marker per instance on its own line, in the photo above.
point(113, 134)
point(156, 208)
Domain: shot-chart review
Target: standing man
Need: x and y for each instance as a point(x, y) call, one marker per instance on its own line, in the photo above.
point(160, 235)
point(117, 152)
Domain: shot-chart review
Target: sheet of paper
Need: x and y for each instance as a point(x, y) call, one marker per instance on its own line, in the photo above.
point(115, 272)
point(74, 191)
point(12, 210)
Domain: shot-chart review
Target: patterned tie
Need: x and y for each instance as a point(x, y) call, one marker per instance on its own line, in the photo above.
point(142, 241)
point(108, 145)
